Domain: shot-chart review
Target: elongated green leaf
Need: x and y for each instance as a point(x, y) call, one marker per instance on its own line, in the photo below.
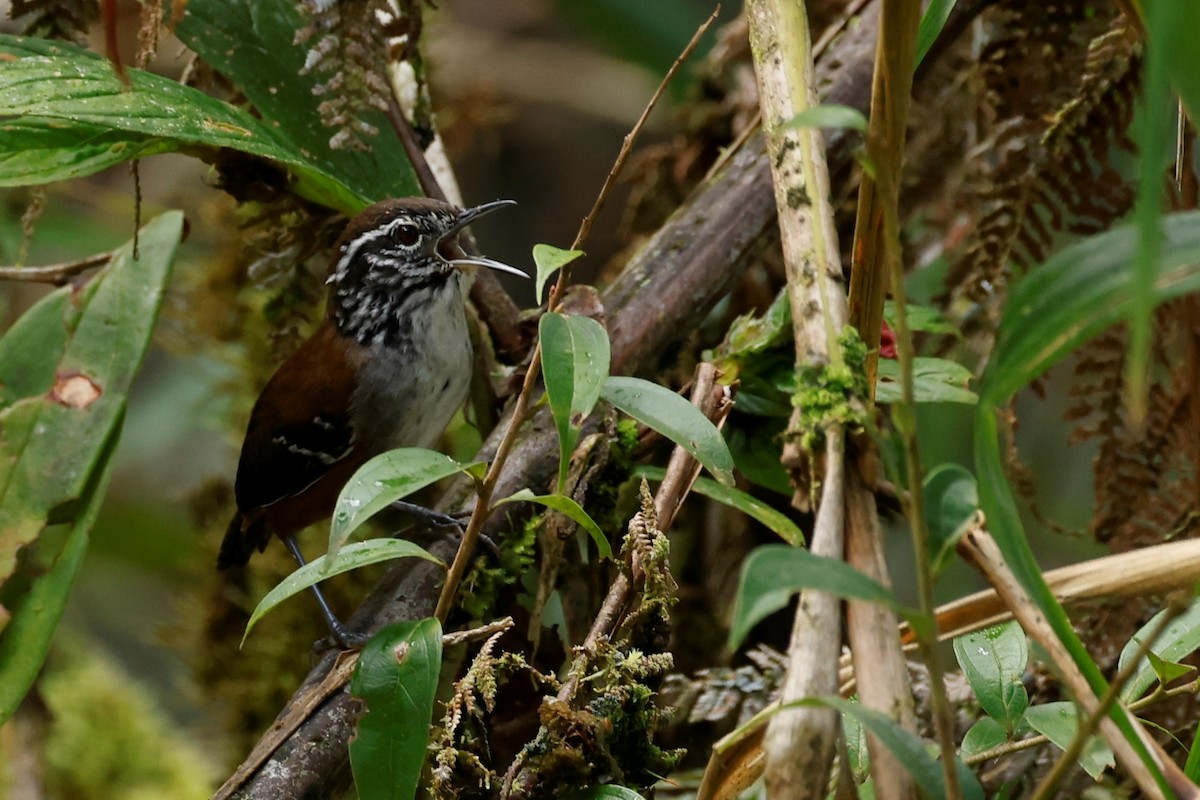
point(909, 749)
point(565, 505)
point(67, 114)
point(748, 504)
point(993, 661)
point(353, 556)
point(666, 412)
point(1079, 292)
point(26, 638)
point(549, 260)
point(396, 678)
point(1059, 722)
point(1180, 639)
point(932, 22)
point(56, 416)
point(921, 318)
point(935, 380)
point(951, 502)
point(253, 43)
point(575, 360)
point(771, 574)
point(381, 481)
point(829, 116)
point(608, 791)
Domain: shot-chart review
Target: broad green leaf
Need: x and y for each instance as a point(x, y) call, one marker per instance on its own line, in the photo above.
point(829, 116)
point(993, 661)
point(771, 574)
point(667, 413)
point(58, 415)
point(1180, 639)
point(608, 791)
point(26, 638)
point(252, 42)
point(1079, 292)
point(66, 114)
point(549, 260)
point(565, 505)
point(1059, 722)
point(951, 501)
point(756, 452)
point(935, 380)
point(909, 749)
point(353, 556)
point(749, 505)
point(396, 678)
point(932, 22)
point(575, 360)
point(921, 318)
point(381, 481)
point(986, 734)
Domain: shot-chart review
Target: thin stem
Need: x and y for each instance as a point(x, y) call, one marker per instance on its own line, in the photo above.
point(57, 274)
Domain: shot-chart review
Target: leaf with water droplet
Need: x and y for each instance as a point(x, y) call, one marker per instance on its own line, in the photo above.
point(381, 481)
point(993, 661)
point(575, 361)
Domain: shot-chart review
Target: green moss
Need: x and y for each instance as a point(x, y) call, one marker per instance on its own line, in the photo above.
point(829, 395)
point(487, 577)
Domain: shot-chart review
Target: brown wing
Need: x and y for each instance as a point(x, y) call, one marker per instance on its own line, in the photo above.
point(300, 427)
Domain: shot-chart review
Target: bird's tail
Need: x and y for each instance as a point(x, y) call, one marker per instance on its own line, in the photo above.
point(242, 538)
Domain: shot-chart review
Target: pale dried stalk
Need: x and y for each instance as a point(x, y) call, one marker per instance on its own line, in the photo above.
point(799, 744)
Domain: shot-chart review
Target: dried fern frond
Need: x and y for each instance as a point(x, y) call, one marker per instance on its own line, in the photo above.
point(56, 19)
point(1060, 81)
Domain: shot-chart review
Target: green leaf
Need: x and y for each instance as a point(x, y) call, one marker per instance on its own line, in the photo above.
point(608, 791)
point(909, 749)
point(829, 116)
point(932, 22)
point(252, 43)
point(1080, 291)
point(667, 413)
point(756, 452)
point(771, 574)
point(1059, 722)
point(935, 380)
point(353, 556)
point(986, 734)
point(856, 747)
point(26, 638)
point(921, 318)
point(396, 678)
point(749, 505)
point(993, 661)
point(57, 415)
point(381, 481)
point(565, 505)
point(951, 502)
point(575, 361)
point(549, 260)
point(1180, 639)
point(66, 114)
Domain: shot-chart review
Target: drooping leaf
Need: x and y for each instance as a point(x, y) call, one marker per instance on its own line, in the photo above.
point(675, 418)
point(565, 505)
point(353, 556)
point(993, 661)
point(932, 22)
point(396, 678)
point(771, 574)
point(748, 504)
point(951, 503)
point(921, 318)
point(1178, 640)
point(66, 115)
point(935, 380)
point(829, 116)
point(1059, 722)
point(381, 481)
point(575, 361)
point(548, 260)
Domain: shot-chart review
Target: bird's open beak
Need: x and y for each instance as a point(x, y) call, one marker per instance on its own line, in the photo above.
point(460, 259)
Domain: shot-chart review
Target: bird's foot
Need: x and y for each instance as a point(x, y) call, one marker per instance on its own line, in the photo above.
point(431, 518)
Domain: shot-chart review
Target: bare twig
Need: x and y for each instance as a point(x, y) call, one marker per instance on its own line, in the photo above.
point(56, 274)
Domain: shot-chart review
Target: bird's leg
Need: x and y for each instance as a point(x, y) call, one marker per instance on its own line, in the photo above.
point(434, 519)
point(347, 638)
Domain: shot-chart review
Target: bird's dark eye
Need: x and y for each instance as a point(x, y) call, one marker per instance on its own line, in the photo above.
point(406, 235)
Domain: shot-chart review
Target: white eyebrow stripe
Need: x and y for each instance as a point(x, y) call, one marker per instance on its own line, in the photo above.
point(355, 244)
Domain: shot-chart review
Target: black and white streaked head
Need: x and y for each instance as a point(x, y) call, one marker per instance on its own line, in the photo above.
point(397, 259)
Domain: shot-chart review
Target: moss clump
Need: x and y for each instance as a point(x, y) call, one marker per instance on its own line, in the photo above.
point(829, 395)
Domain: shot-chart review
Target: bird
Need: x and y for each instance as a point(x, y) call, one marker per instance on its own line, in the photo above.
point(388, 367)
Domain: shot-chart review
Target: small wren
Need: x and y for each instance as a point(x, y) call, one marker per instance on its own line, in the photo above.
point(388, 367)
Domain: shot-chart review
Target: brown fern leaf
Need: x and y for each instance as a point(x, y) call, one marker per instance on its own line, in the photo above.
point(1059, 83)
point(56, 19)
